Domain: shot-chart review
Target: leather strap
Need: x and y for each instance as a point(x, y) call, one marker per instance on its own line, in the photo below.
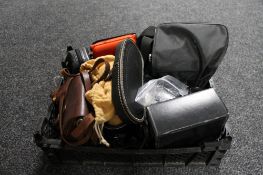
point(79, 132)
point(105, 73)
point(109, 76)
point(65, 73)
point(85, 77)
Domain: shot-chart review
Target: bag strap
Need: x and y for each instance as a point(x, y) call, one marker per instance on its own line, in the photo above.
point(65, 73)
point(145, 42)
point(146, 48)
point(85, 78)
point(106, 72)
point(84, 131)
point(82, 126)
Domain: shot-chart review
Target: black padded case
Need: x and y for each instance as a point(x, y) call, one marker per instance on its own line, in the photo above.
point(188, 120)
point(127, 78)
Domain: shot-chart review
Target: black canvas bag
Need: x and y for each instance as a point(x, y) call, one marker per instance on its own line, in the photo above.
point(189, 52)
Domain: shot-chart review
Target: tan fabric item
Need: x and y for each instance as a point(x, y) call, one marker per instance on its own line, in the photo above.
point(100, 97)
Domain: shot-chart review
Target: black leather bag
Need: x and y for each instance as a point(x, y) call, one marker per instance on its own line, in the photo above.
point(188, 120)
point(189, 52)
point(127, 78)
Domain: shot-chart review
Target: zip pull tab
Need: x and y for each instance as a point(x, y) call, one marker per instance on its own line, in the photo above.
point(150, 58)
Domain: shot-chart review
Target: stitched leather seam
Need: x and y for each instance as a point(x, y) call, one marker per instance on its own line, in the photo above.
point(119, 80)
point(119, 90)
point(122, 91)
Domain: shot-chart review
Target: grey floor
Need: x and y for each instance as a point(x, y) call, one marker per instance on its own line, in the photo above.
point(33, 38)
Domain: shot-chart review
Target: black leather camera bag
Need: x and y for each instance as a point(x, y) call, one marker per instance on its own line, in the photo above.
point(127, 78)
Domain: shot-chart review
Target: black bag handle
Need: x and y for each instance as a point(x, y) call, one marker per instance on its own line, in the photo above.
point(145, 42)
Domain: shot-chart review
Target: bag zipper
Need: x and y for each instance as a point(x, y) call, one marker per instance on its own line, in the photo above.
point(121, 89)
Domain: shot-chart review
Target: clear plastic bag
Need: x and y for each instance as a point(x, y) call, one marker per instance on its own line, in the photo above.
point(159, 90)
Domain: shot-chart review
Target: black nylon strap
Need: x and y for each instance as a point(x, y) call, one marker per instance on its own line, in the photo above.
point(145, 42)
point(146, 47)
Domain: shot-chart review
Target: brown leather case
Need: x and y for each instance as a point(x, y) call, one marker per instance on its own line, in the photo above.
point(75, 121)
point(75, 105)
